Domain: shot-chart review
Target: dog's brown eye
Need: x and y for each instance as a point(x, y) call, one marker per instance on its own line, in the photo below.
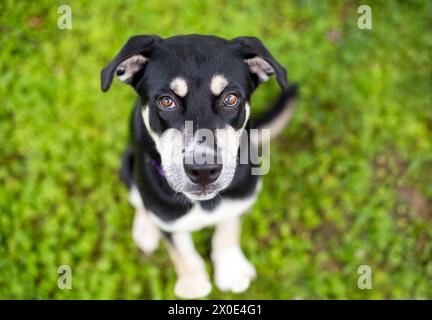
point(166, 102)
point(231, 100)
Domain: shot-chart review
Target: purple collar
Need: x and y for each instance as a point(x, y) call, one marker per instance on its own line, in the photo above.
point(157, 167)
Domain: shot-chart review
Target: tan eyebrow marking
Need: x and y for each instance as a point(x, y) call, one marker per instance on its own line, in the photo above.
point(179, 86)
point(217, 84)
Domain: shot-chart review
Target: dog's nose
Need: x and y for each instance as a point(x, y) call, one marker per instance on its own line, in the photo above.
point(203, 173)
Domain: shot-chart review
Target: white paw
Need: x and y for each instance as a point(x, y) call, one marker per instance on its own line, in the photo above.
point(233, 272)
point(145, 233)
point(192, 287)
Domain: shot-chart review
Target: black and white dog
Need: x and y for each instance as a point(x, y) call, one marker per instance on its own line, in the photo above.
point(186, 84)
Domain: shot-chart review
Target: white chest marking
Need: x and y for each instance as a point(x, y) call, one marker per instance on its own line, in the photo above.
point(198, 218)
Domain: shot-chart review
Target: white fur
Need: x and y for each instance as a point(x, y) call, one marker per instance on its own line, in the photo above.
point(247, 106)
point(260, 67)
point(233, 272)
point(130, 66)
point(170, 146)
point(198, 218)
point(192, 287)
point(179, 86)
point(217, 84)
point(144, 232)
point(145, 112)
point(193, 281)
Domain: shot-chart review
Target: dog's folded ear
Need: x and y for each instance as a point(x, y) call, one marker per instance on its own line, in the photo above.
point(129, 61)
point(259, 60)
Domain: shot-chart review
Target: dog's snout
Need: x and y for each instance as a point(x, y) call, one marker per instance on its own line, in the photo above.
point(203, 173)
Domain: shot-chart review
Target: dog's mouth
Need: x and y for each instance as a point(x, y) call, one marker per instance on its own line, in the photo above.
point(201, 196)
point(200, 193)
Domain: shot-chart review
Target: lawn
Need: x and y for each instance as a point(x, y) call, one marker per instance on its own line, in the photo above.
point(350, 181)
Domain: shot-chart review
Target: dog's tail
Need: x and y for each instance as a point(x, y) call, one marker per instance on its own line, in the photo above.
point(127, 167)
point(277, 117)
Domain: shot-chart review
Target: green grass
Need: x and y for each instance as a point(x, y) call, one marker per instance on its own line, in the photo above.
point(350, 180)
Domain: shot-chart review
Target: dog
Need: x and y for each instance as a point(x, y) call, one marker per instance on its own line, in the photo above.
point(185, 84)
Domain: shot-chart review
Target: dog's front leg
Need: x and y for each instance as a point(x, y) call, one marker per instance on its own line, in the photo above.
point(192, 278)
point(232, 269)
point(144, 232)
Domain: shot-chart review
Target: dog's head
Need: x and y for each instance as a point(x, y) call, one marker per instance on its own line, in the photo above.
point(195, 92)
